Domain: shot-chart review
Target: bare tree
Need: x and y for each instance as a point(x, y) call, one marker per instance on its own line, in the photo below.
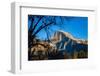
point(39, 23)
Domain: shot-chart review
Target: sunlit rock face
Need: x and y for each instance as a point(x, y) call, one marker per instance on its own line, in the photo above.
point(64, 41)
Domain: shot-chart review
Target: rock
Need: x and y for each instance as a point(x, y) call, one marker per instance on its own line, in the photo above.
point(64, 41)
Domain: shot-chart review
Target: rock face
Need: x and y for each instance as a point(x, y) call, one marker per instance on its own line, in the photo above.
point(66, 42)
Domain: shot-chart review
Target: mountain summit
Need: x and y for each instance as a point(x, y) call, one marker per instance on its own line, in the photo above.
point(60, 35)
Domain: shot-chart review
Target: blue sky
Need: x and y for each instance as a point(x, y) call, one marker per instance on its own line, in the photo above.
point(75, 25)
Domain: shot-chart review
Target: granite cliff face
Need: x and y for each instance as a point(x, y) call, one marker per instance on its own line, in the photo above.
point(65, 42)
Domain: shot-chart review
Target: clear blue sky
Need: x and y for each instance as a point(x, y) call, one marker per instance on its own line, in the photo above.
point(75, 25)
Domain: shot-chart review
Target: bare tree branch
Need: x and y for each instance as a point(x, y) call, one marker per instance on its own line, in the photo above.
point(47, 32)
point(32, 20)
point(37, 23)
point(41, 27)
